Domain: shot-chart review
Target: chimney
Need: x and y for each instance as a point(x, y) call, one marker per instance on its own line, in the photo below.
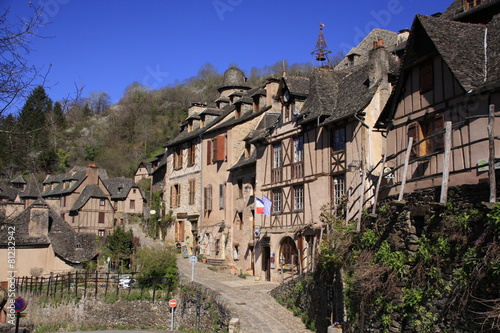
point(92, 176)
point(39, 221)
point(380, 42)
point(375, 45)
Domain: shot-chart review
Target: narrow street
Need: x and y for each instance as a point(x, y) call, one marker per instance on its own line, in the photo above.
point(256, 309)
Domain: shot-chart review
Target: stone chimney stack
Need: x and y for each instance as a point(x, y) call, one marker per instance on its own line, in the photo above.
point(92, 175)
point(39, 221)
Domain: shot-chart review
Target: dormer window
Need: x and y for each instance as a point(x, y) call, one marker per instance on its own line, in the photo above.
point(248, 149)
point(469, 4)
point(190, 126)
point(202, 121)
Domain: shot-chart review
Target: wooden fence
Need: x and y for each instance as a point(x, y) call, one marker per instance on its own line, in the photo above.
point(84, 284)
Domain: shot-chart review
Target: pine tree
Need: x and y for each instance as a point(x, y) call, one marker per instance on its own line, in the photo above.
point(32, 127)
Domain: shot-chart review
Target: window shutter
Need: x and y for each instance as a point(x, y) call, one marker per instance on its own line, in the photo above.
point(438, 127)
point(413, 133)
point(209, 151)
point(221, 145)
point(221, 196)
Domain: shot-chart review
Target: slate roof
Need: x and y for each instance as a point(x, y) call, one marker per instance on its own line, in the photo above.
point(18, 180)
point(68, 244)
point(264, 128)
point(338, 94)
point(245, 161)
point(297, 85)
point(90, 191)
point(362, 49)
point(32, 189)
point(457, 12)
point(119, 187)
point(461, 45)
point(8, 193)
point(76, 176)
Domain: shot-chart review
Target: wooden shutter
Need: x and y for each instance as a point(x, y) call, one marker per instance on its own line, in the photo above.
point(438, 127)
point(413, 133)
point(221, 148)
point(426, 76)
point(209, 151)
point(101, 217)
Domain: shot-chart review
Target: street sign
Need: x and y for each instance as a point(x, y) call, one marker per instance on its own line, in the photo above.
point(172, 303)
point(19, 304)
point(193, 259)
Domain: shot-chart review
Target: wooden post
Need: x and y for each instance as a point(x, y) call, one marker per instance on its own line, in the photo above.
point(85, 285)
point(48, 285)
point(491, 159)
point(361, 197)
point(446, 163)
point(96, 283)
point(55, 285)
point(76, 284)
point(405, 168)
point(107, 282)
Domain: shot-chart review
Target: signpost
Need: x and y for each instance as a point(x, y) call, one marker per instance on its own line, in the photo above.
point(172, 303)
point(193, 261)
point(19, 306)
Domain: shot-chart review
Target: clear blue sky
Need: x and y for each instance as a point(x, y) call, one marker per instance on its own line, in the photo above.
point(105, 45)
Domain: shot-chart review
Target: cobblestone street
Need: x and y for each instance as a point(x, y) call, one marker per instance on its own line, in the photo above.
point(256, 309)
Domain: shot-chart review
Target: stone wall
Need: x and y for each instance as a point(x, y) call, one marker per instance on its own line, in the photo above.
point(198, 308)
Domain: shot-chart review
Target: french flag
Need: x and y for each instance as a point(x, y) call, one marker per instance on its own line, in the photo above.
point(259, 206)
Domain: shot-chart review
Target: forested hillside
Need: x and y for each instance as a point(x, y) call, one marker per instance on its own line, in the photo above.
point(52, 136)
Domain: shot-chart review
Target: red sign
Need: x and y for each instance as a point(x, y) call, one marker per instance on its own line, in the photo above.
point(19, 304)
point(172, 303)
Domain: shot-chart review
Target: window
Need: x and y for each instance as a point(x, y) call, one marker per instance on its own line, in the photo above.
point(192, 191)
point(338, 139)
point(277, 201)
point(178, 158)
point(298, 157)
point(63, 201)
point(426, 77)
point(192, 154)
point(277, 163)
point(240, 188)
point(101, 217)
point(132, 204)
point(101, 233)
point(175, 196)
point(221, 196)
point(338, 190)
point(468, 4)
point(430, 133)
point(208, 198)
point(298, 197)
point(102, 202)
point(134, 190)
point(298, 149)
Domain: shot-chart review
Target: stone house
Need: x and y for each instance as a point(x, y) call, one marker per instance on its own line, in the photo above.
point(43, 241)
point(448, 87)
point(126, 198)
point(323, 132)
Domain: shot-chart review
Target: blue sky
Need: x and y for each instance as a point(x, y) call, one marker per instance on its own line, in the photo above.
point(105, 45)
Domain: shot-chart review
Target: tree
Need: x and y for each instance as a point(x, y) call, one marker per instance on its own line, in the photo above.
point(158, 265)
point(16, 75)
point(32, 128)
point(120, 246)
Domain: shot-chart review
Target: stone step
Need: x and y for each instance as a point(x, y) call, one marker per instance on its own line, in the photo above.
point(216, 262)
